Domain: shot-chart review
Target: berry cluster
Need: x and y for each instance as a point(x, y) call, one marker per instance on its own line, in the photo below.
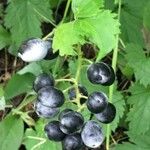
point(70, 127)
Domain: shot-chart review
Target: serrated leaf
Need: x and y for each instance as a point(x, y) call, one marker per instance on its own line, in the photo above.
point(18, 84)
point(86, 8)
point(132, 32)
point(138, 61)
point(65, 37)
point(5, 38)
point(27, 22)
point(141, 140)
point(97, 30)
point(138, 116)
point(11, 129)
point(119, 103)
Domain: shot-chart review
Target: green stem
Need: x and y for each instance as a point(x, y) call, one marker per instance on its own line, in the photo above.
point(65, 80)
point(111, 88)
point(48, 35)
point(66, 11)
point(58, 61)
point(78, 75)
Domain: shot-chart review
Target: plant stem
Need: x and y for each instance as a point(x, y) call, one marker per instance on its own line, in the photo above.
point(65, 80)
point(111, 88)
point(78, 75)
point(48, 35)
point(66, 11)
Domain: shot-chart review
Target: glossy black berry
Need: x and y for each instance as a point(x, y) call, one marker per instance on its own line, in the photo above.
point(72, 142)
point(97, 102)
point(62, 113)
point(34, 49)
point(71, 122)
point(101, 73)
point(92, 135)
point(43, 80)
point(108, 115)
point(44, 111)
point(51, 97)
point(53, 131)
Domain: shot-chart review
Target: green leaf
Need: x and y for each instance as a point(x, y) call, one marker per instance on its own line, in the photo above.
point(86, 8)
point(65, 37)
point(146, 19)
point(31, 138)
point(138, 116)
point(119, 102)
point(11, 129)
point(23, 20)
point(33, 68)
point(18, 84)
point(141, 142)
point(132, 32)
point(136, 59)
point(5, 38)
point(129, 146)
point(97, 30)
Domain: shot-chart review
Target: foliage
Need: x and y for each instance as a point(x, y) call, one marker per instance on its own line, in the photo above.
point(94, 22)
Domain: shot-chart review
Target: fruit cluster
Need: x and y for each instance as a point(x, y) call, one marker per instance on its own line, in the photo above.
point(70, 127)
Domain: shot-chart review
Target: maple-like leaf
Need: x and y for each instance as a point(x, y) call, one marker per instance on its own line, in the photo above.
point(86, 8)
point(139, 62)
point(23, 19)
point(138, 117)
point(101, 30)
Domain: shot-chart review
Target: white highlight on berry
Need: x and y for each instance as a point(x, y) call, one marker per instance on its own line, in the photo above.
point(34, 50)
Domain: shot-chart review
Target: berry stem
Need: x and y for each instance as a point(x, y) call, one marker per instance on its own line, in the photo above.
point(65, 80)
point(78, 75)
point(111, 88)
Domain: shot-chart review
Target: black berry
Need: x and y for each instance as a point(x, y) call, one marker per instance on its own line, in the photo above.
point(97, 102)
point(62, 113)
point(72, 142)
point(43, 80)
point(53, 131)
point(101, 73)
point(71, 122)
point(44, 111)
point(108, 115)
point(92, 135)
point(51, 97)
